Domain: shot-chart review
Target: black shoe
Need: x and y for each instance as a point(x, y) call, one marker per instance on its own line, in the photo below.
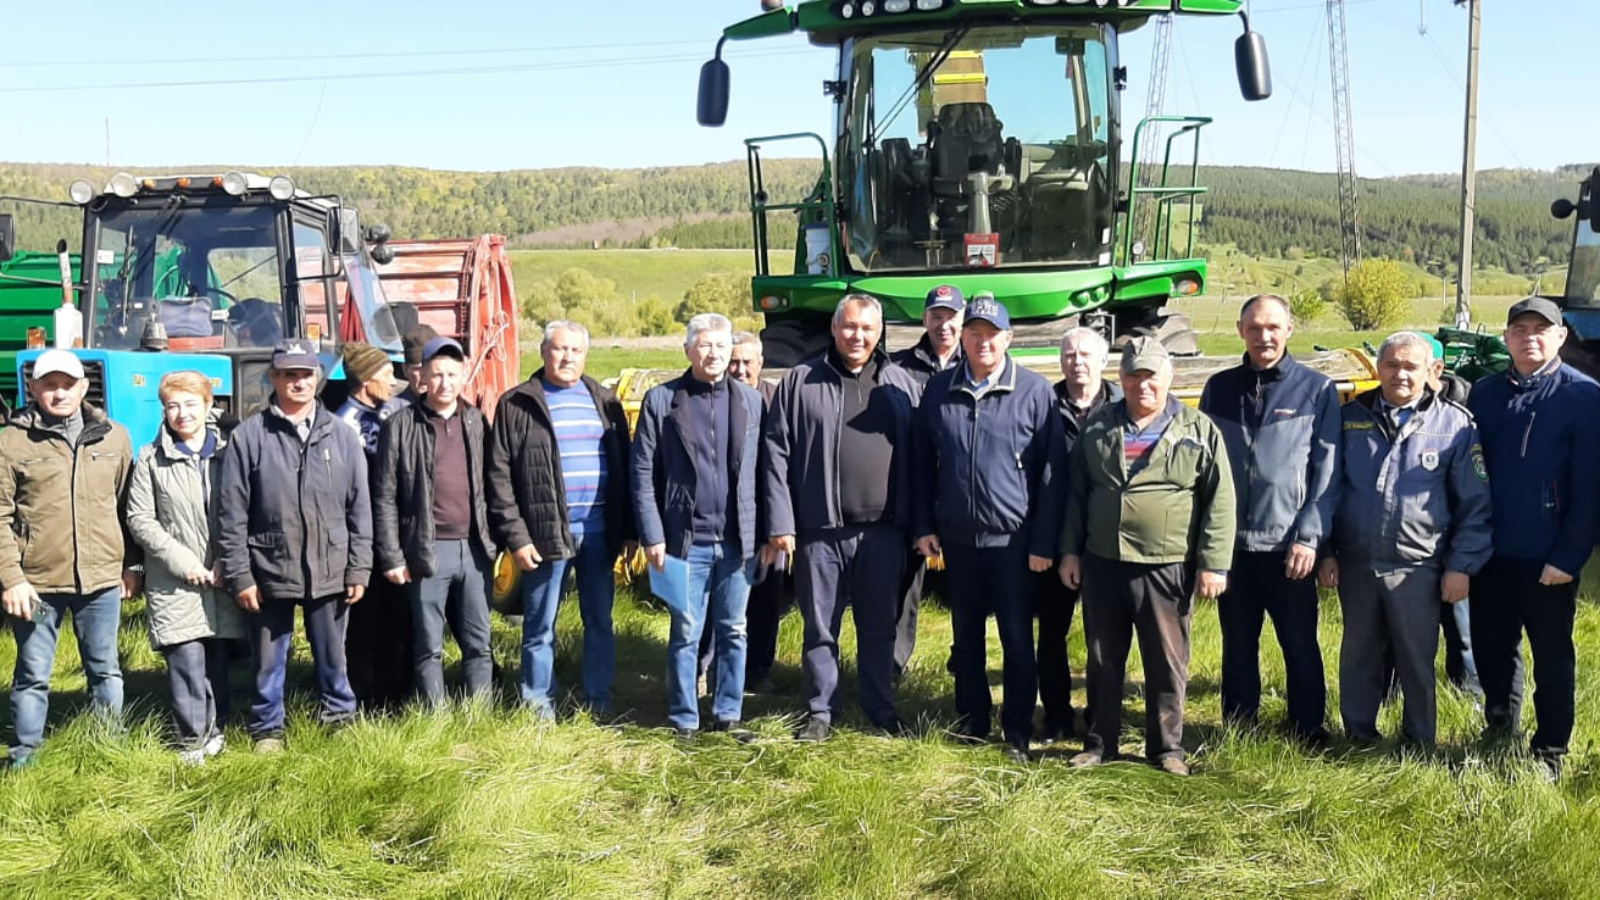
point(734, 730)
point(685, 734)
point(1549, 766)
point(892, 726)
point(815, 731)
point(1017, 753)
point(1313, 740)
point(763, 685)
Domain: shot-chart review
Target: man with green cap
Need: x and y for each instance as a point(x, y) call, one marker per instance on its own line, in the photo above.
point(1149, 524)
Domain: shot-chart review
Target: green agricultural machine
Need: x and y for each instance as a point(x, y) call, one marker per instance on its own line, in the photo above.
point(981, 143)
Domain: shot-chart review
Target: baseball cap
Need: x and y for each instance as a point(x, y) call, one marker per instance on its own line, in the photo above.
point(945, 296)
point(1144, 354)
point(985, 307)
point(295, 354)
point(1538, 306)
point(447, 346)
point(52, 361)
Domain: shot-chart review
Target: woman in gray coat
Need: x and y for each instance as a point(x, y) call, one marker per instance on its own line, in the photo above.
point(171, 514)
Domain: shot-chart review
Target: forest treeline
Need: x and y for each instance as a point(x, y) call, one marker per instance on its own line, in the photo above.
point(1273, 213)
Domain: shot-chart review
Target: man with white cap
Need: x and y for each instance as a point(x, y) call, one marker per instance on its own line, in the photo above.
point(1149, 524)
point(294, 528)
point(64, 471)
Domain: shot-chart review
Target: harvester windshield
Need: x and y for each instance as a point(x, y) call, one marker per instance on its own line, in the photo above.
point(202, 272)
point(979, 147)
point(1583, 274)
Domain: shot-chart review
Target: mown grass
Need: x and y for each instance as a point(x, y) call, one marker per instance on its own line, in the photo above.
point(487, 802)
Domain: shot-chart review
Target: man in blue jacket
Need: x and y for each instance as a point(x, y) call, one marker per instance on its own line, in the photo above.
point(294, 528)
point(1412, 527)
point(837, 482)
point(988, 493)
point(1540, 423)
point(1281, 424)
point(693, 473)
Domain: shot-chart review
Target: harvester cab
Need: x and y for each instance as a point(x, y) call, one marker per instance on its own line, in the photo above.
point(208, 272)
point(980, 143)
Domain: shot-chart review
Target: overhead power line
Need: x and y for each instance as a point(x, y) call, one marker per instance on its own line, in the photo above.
point(405, 73)
point(390, 54)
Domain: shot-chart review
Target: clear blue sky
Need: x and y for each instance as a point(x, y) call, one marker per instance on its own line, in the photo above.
point(541, 83)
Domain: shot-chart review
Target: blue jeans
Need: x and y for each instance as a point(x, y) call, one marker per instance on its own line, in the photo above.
point(95, 619)
point(541, 596)
point(271, 629)
point(719, 589)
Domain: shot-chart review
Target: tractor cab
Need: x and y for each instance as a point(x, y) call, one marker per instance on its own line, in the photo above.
point(975, 147)
point(208, 272)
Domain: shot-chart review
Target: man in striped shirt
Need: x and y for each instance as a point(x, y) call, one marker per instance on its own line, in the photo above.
point(559, 501)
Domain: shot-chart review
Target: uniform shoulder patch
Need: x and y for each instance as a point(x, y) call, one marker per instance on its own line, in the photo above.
point(1478, 468)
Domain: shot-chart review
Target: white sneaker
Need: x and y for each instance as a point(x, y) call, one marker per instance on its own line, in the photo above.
point(196, 757)
point(213, 745)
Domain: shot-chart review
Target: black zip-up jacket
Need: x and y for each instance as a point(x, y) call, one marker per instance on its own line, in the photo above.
point(1071, 425)
point(527, 493)
point(294, 519)
point(402, 488)
point(800, 468)
point(920, 362)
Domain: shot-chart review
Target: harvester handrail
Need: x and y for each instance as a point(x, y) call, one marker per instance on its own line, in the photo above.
point(1165, 192)
point(759, 207)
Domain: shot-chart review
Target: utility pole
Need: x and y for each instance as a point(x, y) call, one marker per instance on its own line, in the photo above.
point(1469, 166)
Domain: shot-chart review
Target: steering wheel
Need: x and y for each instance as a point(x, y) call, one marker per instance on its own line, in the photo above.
point(231, 298)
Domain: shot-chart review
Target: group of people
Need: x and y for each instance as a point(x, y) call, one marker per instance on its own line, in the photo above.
point(838, 484)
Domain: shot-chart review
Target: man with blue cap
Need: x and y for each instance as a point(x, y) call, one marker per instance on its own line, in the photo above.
point(294, 528)
point(990, 499)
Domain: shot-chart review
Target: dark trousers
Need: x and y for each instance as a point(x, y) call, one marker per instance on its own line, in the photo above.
point(198, 673)
point(1507, 599)
point(1388, 616)
point(457, 595)
point(984, 580)
point(377, 644)
point(1257, 588)
point(858, 566)
point(1055, 603)
point(905, 623)
point(271, 629)
point(1122, 600)
point(770, 597)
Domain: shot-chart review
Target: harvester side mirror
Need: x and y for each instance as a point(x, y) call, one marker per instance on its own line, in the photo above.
point(1594, 199)
point(8, 236)
point(1250, 58)
point(711, 108)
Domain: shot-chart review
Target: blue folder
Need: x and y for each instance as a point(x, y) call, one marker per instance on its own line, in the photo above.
point(671, 584)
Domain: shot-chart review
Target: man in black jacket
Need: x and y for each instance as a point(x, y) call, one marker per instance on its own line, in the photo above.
point(837, 479)
point(938, 349)
point(294, 528)
point(430, 464)
point(1081, 392)
point(559, 500)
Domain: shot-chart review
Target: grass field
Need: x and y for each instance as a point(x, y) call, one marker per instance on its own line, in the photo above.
point(489, 803)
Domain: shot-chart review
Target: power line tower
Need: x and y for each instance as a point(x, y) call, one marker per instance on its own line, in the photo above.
point(1344, 138)
point(1154, 105)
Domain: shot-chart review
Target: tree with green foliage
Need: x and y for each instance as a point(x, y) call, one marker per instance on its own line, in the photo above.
point(1376, 294)
point(720, 293)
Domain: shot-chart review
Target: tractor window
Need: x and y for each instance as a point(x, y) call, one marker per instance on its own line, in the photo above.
point(1583, 275)
point(999, 156)
point(200, 271)
point(313, 265)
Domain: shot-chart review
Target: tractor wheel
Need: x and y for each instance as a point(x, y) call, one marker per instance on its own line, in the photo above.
point(1583, 356)
point(787, 342)
point(1175, 330)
